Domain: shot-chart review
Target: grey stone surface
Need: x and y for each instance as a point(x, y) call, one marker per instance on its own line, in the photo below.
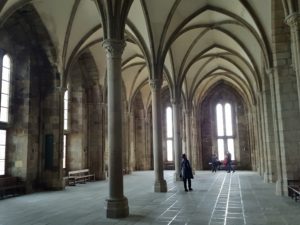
point(222, 198)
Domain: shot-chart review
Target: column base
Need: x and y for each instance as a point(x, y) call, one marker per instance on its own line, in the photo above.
point(177, 177)
point(117, 208)
point(279, 188)
point(266, 178)
point(160, 186)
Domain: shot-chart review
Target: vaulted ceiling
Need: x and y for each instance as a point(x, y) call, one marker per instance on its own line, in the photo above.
point(191, 43)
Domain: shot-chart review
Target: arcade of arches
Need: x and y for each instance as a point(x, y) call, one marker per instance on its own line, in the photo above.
point(87, 84)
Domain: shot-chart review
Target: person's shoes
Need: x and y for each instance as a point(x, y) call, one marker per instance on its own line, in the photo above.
point(186, 190)
point(190, 189)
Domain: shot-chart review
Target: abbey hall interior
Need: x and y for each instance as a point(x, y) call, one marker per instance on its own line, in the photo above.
point(100, 98)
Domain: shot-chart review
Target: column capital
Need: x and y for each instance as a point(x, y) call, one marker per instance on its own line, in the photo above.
point(114, 48)
point(155, 84)
point(293, 20)
point(187, 112)
point(175, 101)
point(270, 71)
point(61, 90)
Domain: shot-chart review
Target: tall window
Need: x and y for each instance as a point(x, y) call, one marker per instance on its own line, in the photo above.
point(225, 137)
point(5, 79)
point(2, 151)
point(169, 120)
point(66, 117)
point(4, 107)
point(66, 109)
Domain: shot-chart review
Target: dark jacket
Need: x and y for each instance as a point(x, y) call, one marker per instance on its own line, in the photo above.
point(186, 170)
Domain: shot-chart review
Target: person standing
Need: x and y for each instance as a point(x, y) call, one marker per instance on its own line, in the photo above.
point(186, 173)
point(214, 162)
point(229, 163)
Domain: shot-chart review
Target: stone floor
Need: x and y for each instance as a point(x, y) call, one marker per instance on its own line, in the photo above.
point(229, 199)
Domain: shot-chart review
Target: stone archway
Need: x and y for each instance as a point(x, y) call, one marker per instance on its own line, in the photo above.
point(224, 93)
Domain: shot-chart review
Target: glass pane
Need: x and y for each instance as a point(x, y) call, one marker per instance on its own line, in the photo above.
point(2, 152)
point(221, 149)
point(5, 74)
point(228, 119)
point(2, 137)
point(2, 167)
point(65, 114)
point(66, 124)
point(5, 87)
point(66, 105)
point(66, 96)
point(169, 150)
point(230, 145)
point(4, 114)
point(4, 100)
point(6, 61)
point(220, 126)
point(64, 152)
point(169, 122)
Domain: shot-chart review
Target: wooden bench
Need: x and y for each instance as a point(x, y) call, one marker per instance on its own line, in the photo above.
point(80, 176)
point(11, 186)
point(294, 189)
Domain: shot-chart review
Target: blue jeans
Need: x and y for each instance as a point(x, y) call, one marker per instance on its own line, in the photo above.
point(229, 167)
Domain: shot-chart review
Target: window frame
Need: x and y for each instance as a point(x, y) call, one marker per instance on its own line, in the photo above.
point(169, 138)
point(4, 125)
point(225, 137)
point(67, 130)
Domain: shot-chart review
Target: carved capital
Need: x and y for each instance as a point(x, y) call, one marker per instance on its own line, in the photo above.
point(155, 84)
point(293, 20)
point(114, 48)
point(187, 112)
point(175, 101)
point(270, 71)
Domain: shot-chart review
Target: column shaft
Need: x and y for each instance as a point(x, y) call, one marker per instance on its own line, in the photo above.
point(188, 135)
point(177, 142)
point(117, 204)
point(160, 183)
point(294, 22)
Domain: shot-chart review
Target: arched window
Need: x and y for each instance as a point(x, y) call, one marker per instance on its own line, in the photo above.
point(5, 91)
point(66, 125)
point(169, 133)
point(225, 138)
point(4, 107)
point(66, 109)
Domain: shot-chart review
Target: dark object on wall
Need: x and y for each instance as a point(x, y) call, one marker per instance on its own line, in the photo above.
point(49, 151)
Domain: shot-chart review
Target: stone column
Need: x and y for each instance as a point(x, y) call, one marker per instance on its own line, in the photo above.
point(132, 141)
point(293, 20)
point(273, 75)
point(160, 184)
point(177, 142)
point(117, 203)
point(188, 134)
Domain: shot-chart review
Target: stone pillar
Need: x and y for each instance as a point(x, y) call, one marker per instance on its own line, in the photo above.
point(117, 203)
point(132, 142)
point(280, 158)
point(160, 184)
point(293, 20)
point(259, 121)
point(188, 134)
point(177, 141)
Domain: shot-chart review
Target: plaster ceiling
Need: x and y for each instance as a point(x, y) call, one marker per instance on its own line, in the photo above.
point(197, 41)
